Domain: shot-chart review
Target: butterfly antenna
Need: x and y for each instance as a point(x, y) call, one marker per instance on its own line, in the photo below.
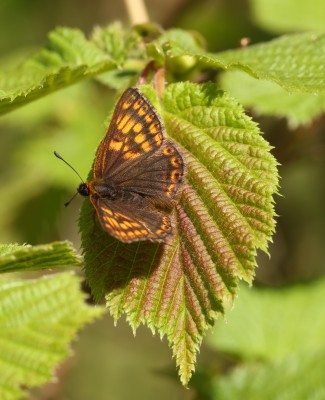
point(68, 202)
point(58, 156)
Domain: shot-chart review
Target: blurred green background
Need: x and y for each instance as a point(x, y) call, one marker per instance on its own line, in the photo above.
point(109, 363)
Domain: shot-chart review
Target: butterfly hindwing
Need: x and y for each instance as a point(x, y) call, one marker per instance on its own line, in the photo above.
point(118, 219)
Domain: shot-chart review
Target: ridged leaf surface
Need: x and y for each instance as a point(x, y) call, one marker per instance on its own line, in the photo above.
point(34, 258)
point(268, 98)
point(38, 320)
point(295, 62)
point(68, 58)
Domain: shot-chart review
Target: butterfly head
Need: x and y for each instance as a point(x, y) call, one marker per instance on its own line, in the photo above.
point(83, 189)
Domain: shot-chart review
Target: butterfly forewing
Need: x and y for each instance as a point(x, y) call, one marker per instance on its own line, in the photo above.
point(135, 132)
point(158, 176)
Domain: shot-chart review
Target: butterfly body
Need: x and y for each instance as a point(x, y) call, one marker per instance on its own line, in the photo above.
point(102, 189)
point(137, 173)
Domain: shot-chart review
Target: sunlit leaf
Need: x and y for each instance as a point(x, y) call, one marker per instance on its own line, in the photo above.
point(38, 320)
point(268, 98)
point(124, 46)
point(224, 214)
point(34, 258)
point(68, 58)
point(295, 62)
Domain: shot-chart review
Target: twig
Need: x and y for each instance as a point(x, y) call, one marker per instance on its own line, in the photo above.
point(137, 11)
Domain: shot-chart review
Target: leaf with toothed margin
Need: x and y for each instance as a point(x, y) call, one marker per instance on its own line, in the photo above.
point(223, 215)
point(39, 318)
point(69, 57)
point(14, 258)
point(294, 62)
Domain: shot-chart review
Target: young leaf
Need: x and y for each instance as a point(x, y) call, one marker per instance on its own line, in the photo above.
point(68, 58)
point(267, 98)
point(295, 62)
point(15, 258)
point(225, 212)
point(125, 48)
point(38, 320)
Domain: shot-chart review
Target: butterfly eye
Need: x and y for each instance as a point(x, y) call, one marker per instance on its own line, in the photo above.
point(83, 189)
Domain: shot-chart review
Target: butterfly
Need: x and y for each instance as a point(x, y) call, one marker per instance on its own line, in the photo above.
point(137, 173)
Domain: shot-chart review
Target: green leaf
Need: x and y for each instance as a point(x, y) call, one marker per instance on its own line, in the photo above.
point(124, 47)
point(295, 62)
point(267, 98)
point(15, 258)
point(38, 320)
point(118, 42)
point(68, 58)
point(276, 322)
point(282, 348)
point(304, 15)
point(224, 214)
point(296, 377)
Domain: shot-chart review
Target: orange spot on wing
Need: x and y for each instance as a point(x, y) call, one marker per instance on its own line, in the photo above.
point(135, 224)
point(175, 176)
point(124, 120)
point(169, 150)
point(138, 127)
point(131, 154)
point(148, 118)
point(176, 161)
point(137, 105)
point(126, 129)
point(140, 138)
point(153, 128)
point(127, 104)
point(158, 139)
point(115, 145)
point(113, 222)
point(107, 210)
point(143, 110)
point(170, 189)
point(146, 147)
